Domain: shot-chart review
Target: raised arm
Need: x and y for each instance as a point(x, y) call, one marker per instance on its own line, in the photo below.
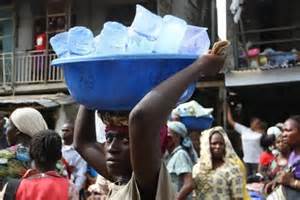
point(151, 113)
point(85, 141)
point(229, 117)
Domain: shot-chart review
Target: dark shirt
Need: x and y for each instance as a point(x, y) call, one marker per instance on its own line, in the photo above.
point(3, 140)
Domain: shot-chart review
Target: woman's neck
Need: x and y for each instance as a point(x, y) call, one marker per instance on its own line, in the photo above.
point(285, 154)
point(122, 180)
point(297, 150)
point(23, 139)
point(44, 169)
point(217, 163)
point(171, 149)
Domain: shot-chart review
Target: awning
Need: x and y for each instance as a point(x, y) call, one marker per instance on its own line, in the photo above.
point(47, 100)
point(262, 77)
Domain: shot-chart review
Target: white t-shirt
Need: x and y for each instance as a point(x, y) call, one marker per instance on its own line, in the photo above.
point(250, 143)
point(73, 158)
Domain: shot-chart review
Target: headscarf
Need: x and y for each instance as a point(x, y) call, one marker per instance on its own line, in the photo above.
point(118, 121)
point(205, 161)
point(180, 129)
point(28, 121)
point(204, 166)
point(274, 130)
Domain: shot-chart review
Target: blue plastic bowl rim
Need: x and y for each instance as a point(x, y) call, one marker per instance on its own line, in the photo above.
point(76, 59)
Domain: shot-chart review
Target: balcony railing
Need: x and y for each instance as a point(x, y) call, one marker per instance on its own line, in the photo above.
point(28, 68)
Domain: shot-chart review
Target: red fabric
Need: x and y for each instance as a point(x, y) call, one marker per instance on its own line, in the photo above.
point(51, 186)
point(68, 167)
point(266, 158)
point(163, 138)
point(119, 129)
point(40, 42)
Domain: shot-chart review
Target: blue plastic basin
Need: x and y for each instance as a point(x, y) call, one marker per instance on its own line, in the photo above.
point(119, 82)
point(197, 123)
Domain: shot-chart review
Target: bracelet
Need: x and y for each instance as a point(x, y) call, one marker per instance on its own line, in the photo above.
point(296, 183)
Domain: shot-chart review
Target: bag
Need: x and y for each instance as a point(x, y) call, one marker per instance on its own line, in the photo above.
point(11, 189)
point(284, 193)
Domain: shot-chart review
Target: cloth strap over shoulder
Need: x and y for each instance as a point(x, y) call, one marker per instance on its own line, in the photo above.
point(11, 189)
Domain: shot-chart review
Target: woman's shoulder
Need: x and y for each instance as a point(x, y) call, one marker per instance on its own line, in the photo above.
point(232, 168)
point(181, 152)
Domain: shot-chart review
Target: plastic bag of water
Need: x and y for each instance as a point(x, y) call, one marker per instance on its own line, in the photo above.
point(112, 39)
point(138, 44)
point(171, 35)
point(81, 41)
point(146, 23)
point(195, 41)
point(59, 44)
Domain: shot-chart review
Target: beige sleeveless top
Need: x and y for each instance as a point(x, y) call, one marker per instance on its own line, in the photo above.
point(130, 191)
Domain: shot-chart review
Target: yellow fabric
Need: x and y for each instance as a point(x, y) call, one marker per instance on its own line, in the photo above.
point(130, 191)
point(224, 182)
point(115, 119)
point(241, 165)
point(203, 170)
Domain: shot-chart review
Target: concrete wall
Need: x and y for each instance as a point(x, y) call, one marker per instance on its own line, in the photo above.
point(65, 113)
point(69, 112)
point(24, 31)
point(89, 13)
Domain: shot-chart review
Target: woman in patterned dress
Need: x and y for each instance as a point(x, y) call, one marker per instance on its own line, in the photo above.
point(217, 174)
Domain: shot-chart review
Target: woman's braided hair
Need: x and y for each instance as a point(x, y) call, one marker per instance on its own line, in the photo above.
point(45, 148)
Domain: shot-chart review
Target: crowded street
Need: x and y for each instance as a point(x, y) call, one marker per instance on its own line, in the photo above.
point(149, 100)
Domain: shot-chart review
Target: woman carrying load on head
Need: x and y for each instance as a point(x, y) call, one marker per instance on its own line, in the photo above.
point(178, 161)
point(131, 156)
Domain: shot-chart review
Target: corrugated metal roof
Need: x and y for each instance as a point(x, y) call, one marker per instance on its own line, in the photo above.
point(48, 100)
point(261, 77)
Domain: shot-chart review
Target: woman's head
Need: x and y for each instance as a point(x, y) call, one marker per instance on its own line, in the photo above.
point(195, 137)
point(217, 146)
point(23, 124)
point(267, 141)
point(281, 146)
point(117, 144)
point(291, 131)
point(45, 149)
point(176, 133)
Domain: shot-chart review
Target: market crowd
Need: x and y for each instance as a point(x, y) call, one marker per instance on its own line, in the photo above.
point(148, 153)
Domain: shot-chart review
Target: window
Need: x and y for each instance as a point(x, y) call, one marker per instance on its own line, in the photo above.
point(6, 2)
point(6, 28)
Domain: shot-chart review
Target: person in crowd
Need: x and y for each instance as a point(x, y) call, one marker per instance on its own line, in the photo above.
point(281, 158)
point(3, 141)
point(250, 141)
point(217, 174)
point(195, 137)
point(178, 161)
point(91, 177)
point(99, 190)
point(131, 155)
point(76, 166)
point(42, 181)
point(267, 142)
point(291, 135)
point(23, 124)
point(289, 180)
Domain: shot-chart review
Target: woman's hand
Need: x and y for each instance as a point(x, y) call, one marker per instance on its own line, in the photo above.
point(269, 187)
point(286, 178)
point(210, 64)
